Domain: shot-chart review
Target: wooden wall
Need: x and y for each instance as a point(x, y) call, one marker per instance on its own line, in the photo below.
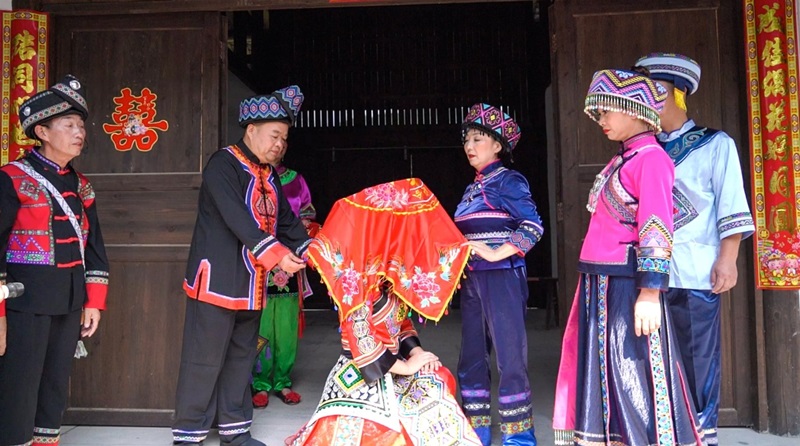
point(146, 200)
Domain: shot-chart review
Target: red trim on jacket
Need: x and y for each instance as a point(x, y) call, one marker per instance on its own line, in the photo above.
point(96, 294)
point(201, 292)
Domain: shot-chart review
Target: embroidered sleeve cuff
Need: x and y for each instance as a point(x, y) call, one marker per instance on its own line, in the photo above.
point(735, 224)
point(408, 344)
point(302, 249)
point(96, 289)
point(652, 267)
point(269, 252)
point(96, 296)
point(377, 368)
point(645, 279)
point(526, 235)
point(308, 213)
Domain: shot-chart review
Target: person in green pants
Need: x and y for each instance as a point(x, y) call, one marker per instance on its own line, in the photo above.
point(282, 318)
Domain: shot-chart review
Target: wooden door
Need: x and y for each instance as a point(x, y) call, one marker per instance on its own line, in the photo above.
point(146, 198)
point(589, 36)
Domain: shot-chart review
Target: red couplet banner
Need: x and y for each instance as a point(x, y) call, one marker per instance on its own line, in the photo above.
point(25, 45)
point(771, 39)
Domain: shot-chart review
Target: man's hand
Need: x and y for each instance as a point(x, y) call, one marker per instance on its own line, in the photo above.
point(723, 275)
point(91, 319)
point(3, 333)
point(291, 263)
point(647, 312)
point(723, 272)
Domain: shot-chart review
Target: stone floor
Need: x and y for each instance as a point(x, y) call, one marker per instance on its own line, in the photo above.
point(318, 351)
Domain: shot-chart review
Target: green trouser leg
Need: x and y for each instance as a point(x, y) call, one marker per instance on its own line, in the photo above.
point(279, 326)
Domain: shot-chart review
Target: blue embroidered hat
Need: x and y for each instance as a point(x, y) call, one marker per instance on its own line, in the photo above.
point(676, 69)
point(65, 97)
point(280, 105)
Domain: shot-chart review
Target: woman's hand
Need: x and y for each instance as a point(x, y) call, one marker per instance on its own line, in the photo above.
point(647, 312)
point(429, 367)
point(492, 255)
point(413, 364)
point(416, 362)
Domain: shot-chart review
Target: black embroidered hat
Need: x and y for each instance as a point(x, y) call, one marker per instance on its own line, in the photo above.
point(66, 97)
point(280, 105)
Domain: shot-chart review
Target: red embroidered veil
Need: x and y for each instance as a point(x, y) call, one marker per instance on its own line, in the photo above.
point(396, 231)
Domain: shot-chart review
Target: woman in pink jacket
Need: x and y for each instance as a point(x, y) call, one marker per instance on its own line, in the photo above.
point(620, 380)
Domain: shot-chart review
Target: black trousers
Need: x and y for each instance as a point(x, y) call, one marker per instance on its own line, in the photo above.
point(34, 375)
point(219, 347)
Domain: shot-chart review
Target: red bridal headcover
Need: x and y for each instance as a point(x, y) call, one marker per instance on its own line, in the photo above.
point(397, 231)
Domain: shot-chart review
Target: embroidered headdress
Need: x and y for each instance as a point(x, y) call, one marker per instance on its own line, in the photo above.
point(396, 232)
point(493, 121)
point(676, 69)
point(280, 105)
point(626, 92)
point(65, 97)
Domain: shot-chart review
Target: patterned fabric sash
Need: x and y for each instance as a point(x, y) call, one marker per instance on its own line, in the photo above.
point(59, 199)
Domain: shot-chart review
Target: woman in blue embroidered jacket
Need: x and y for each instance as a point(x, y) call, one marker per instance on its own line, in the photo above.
point(499, 218)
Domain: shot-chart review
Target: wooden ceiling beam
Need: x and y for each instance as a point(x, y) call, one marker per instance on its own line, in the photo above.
point(94, 7)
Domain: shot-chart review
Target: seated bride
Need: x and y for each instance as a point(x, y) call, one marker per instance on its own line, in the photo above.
point(384, 253)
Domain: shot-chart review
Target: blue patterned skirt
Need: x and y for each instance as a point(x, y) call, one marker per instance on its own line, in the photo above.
point(629, 390)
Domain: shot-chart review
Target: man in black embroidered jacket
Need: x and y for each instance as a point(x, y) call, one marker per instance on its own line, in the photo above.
point(245, 227)
point(50, 241)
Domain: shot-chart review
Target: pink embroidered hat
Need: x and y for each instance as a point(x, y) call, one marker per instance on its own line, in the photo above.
point(495, 122)
point(626, 92)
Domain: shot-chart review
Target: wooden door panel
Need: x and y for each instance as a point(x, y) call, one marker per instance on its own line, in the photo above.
point(614, 34)
point(702, 43)
point(173, 150)
point(131, 370)
point(147, 209)
point(163, 53)
point(146, 199)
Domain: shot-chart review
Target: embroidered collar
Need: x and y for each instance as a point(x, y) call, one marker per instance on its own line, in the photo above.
point(41, 158)
point(489, 171)
point(634, 142)
point(667, 137)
